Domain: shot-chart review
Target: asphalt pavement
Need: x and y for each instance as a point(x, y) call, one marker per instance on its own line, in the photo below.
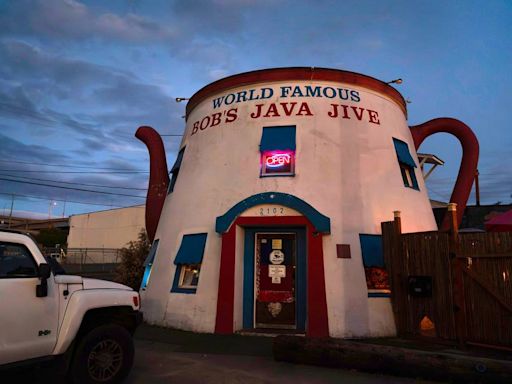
point(159, 363)
point(169, 356)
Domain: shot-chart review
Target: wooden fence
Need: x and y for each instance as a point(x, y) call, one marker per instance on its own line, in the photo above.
point(470, 276)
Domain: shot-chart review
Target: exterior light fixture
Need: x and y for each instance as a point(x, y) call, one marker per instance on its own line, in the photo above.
point(396, 81)
point(180, 99)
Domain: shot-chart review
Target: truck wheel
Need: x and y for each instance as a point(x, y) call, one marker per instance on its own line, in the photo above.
point(104, 355)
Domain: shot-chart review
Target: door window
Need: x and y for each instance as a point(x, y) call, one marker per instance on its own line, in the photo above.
point(16, 261)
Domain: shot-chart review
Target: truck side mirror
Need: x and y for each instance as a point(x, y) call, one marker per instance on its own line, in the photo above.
point(44, 271)
point(44, 274)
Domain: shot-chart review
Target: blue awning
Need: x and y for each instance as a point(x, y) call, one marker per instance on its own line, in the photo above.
point(403, 154)
point(151, 255)
point(177, 163)
point(278, 138)
point(371, 249)
point(191, 249)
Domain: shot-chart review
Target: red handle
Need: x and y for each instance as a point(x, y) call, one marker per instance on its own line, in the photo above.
point(469, 162)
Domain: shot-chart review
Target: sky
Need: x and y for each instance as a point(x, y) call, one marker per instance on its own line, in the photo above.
point(78, 78)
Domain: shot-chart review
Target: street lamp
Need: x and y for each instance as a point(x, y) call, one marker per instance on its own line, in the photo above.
point(396, 81)
point(52, 204)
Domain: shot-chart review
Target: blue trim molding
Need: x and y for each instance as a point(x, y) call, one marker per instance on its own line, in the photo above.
point(321, 223)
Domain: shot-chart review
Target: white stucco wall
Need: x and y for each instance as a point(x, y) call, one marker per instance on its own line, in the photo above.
point(345, 168)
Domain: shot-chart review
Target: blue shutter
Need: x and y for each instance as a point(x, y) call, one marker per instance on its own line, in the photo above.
point(148, 264)
point(175, 170)
point(371, 249)
point(403, 154)
point(151, 255)
point(177, 163)
point(278, 138)
point(191, 249)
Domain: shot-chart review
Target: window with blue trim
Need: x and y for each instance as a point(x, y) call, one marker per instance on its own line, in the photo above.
point(277, 148)
point(148, 264)
point(188, 263)
point(377, 279)
point(406, 163)
point(175, 170)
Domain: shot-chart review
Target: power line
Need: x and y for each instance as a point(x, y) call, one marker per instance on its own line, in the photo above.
point(95, 172)
point(69, 182)
point(436, 193)
point(65, 200)
point(70, 188)
point(67, 165)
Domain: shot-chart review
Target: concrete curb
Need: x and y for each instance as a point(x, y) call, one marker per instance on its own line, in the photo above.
point(392, 360)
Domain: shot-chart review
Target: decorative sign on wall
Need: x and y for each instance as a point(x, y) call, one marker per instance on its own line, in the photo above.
point(270, 210)
point(278, 160)
point(276, 257)
point(276, 272)
point(278, 163)
point(277, 244)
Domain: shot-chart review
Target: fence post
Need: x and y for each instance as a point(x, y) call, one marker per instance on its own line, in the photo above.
point(459, 301)
point(397, 223)
point(400, 272)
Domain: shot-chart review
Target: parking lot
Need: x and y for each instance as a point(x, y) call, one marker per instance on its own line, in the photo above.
point(169, 356)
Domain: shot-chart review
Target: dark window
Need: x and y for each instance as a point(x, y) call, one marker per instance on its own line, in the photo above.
point(406, 163)
point(277, 149)
point(175, 170)
point(188, 263)
point(373, 260)
point(16, 261)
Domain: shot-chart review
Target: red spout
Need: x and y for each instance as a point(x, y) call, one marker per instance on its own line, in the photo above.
point(158, 177)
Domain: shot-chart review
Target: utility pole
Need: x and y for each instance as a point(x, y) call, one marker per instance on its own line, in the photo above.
point(477, 188)
point(10, 213)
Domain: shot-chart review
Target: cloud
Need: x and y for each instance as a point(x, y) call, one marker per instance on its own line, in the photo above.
point(218, 15)
point(86, 112)
point(69, 19)
point(96, 98)
point(12, 149)
point(32, 158)
point(19, 59)
point(17, 107)
point(15, 104)
point(126, 92)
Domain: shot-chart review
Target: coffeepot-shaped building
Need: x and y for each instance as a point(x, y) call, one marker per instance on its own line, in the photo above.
point(271, 216)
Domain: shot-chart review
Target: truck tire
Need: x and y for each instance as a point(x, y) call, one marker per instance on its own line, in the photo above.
point(104, 355)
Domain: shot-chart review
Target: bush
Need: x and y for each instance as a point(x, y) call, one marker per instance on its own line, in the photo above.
point(51, 236)
point(131, 268)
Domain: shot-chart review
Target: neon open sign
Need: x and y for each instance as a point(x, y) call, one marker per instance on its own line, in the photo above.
point(278, 160)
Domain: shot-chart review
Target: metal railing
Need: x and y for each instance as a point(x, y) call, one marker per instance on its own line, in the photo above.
point(92, 256)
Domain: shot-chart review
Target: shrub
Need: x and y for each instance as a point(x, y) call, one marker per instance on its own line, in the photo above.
point(131, 268)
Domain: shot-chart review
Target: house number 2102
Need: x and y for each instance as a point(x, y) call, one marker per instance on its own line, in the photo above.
point(271, 211)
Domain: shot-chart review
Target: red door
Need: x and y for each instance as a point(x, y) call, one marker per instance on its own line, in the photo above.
point(275, 259)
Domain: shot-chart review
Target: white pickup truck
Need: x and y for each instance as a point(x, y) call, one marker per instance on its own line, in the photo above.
point(85, 324)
